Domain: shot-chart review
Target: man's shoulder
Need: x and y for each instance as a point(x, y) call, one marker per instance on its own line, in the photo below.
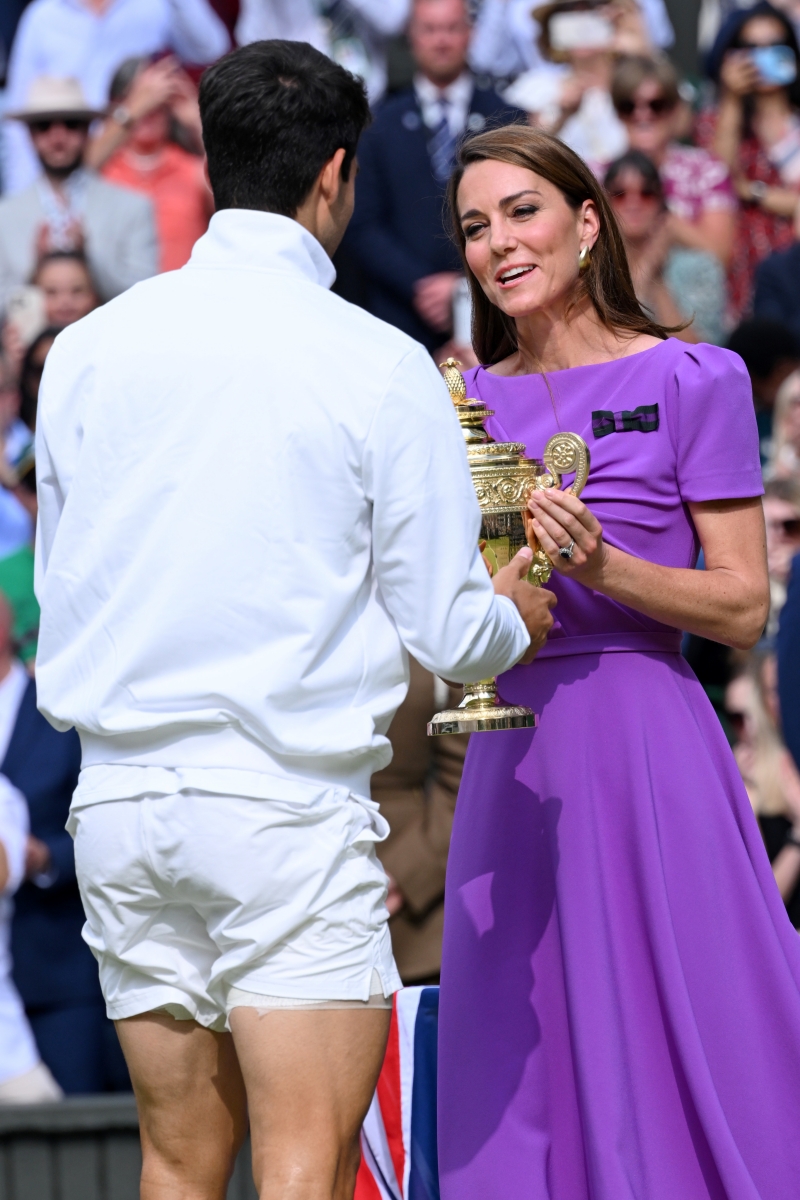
point(390, 112)
point(112, 195)
point(781, 264)
point(489, 103)
point(360, 330)
point(19, 205)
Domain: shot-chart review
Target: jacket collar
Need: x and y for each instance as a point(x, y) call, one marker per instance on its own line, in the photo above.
point(245, 239)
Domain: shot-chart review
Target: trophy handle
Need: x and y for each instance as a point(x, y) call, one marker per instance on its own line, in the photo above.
point(566, 452)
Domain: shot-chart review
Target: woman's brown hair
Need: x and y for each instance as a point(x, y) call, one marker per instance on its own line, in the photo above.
point(607, 280)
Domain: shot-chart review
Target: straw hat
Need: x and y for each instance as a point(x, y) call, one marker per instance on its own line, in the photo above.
point(49, 99)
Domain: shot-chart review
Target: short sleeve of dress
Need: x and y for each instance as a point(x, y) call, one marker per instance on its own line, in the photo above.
point(714, 426)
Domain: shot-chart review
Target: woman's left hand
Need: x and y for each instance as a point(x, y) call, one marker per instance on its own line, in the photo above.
point(561, 519)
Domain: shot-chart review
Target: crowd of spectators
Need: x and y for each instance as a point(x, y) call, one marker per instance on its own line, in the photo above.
point(102, 185)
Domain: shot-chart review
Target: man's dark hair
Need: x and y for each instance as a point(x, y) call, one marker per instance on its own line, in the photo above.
point(273, 114)
point(763, 344)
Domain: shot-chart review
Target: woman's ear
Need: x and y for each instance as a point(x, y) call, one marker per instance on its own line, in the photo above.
point(589, 223)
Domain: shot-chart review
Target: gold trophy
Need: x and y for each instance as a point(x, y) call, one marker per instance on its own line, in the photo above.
point(504, 479)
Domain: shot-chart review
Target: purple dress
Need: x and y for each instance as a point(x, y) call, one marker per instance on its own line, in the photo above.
point(620, 1001)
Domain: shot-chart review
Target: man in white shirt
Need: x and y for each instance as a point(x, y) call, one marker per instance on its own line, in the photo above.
point(87, 40)
point(252, 497)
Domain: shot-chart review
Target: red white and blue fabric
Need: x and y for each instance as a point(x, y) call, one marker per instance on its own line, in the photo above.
point(398, 1139)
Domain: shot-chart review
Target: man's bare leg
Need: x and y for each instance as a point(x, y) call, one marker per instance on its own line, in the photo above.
point(191, 1102)
point(310, 1077)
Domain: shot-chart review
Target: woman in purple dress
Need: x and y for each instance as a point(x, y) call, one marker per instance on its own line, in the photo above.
point(620, 1003)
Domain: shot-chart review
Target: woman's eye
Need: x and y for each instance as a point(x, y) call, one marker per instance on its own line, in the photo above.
point(473, 230)
point(525, 210)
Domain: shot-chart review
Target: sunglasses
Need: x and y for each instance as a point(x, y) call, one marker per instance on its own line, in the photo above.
point(657, 107)
point(645, 193)
point(73, 124)
point(790, 527)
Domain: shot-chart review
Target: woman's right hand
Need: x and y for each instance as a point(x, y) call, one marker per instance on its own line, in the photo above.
point(739, 73)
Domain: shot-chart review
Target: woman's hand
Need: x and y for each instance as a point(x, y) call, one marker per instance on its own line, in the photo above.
point(561, 519)
point(739, 74)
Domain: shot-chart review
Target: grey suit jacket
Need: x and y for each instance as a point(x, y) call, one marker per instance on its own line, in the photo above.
point(119, 226)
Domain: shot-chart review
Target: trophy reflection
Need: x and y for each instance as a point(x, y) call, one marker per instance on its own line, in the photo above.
point(503, 479)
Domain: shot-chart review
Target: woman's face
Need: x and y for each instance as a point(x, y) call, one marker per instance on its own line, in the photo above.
point(522, 238)
point(636, 203)
point(649, 118)
point(150, 132)
point(762, 31)
point(782, 519)
point(791, 421)
point(68, 292)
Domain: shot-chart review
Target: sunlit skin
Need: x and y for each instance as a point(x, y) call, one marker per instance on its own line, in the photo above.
point(522, 243)
point(68, 291)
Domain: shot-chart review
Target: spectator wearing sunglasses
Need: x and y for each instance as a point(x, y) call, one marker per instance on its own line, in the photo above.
point(697, 186)
point(678, 285)
point(756, 131)
point(753, 717)
point(782, 519)
point(68, 207)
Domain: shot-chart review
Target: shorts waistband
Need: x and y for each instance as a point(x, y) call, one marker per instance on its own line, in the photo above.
point(668, 642)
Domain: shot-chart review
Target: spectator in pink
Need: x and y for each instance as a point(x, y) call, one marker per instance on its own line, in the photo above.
point(756, 130)
point(697, 186)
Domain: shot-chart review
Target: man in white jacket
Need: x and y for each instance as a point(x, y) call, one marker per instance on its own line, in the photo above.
point(253, 497)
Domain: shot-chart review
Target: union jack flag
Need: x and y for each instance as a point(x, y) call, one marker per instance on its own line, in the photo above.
point(398, 1140)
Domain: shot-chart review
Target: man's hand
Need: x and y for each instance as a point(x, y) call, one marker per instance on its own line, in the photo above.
point(433, 299)
point(533, 603)
point(37, 858)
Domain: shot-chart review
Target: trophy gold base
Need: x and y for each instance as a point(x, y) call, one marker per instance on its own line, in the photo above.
point(481, 712)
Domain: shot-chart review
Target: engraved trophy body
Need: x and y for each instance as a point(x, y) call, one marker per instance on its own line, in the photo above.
point(503, 479)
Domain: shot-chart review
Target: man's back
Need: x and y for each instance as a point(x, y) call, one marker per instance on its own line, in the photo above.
point(231, 476)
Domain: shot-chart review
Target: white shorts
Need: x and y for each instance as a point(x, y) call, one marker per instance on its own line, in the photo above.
point(191, 896)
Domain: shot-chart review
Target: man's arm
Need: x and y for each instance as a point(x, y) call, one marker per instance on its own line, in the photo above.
point(198, 34)
point(425, 525)
point(118, 264)
point(381, 256)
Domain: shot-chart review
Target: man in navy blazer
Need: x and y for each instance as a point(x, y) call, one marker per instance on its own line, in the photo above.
point(54, 970)
point(397, 234)
point(777, 294)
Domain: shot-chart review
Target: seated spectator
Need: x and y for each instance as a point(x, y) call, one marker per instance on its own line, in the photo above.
point(573, 98)
point(769, 773)
point(784, 459)
point(86, 40)
point(776, 292)
point(16, 519)
point(697, 186)
point(54, 970)
point(771, 352)
point(397, 234)
point(417, 794)
point(67, 287)
point(68, 208)
point(674, 283)
point(24, 1079)
point(148, 160)
point(782, 519)
point(756, 131)
point(788, 643)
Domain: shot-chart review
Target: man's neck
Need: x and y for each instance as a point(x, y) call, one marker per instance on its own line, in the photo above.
point(57, 179)
point(443, 81)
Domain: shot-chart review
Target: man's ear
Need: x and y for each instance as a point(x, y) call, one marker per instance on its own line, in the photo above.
point(330, 178)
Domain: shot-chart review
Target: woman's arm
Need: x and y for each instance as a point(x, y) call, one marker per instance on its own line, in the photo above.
point(712, 233)
point(728, 602)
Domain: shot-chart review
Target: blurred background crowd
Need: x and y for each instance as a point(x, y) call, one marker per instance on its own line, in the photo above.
point(688, 110)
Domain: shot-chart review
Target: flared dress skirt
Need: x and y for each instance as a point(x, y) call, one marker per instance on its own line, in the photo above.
point(620, 1003)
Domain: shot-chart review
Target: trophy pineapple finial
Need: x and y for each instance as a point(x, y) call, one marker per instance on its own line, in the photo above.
point(454, 380)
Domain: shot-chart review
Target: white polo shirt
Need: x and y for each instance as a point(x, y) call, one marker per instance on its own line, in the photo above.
point(254, 497)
